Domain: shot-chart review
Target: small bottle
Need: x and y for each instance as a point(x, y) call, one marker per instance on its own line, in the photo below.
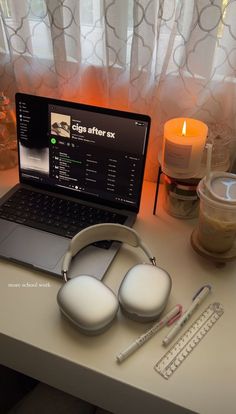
point(8, 145)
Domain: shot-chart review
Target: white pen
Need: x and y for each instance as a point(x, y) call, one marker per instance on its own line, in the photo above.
point(197, 300)
point(169, 318)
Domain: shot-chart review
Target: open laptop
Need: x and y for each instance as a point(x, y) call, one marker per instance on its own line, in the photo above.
point(81, 154)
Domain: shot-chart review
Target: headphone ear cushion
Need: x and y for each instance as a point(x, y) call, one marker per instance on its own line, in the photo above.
point(144, 292)
point(88, 303)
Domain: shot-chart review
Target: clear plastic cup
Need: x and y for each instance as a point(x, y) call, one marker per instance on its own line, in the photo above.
point(216, 229)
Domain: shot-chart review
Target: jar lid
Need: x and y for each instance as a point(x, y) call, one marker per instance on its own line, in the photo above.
point(222, 187)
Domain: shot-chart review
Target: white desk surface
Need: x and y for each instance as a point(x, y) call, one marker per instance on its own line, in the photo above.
point(36, 340)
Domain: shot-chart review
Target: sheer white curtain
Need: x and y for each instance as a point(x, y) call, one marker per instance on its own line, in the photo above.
point(166, 58)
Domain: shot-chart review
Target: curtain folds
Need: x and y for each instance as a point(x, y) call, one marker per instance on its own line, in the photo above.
point(167, 58)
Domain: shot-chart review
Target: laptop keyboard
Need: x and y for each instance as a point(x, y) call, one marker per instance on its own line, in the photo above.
point(55, 215)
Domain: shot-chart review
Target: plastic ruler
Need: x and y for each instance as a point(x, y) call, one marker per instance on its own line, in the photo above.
point(178, 353)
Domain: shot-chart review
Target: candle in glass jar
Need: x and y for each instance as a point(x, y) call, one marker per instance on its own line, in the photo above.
point(183, 145)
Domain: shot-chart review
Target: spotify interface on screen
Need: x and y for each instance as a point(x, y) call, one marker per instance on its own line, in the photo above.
point(88, 152)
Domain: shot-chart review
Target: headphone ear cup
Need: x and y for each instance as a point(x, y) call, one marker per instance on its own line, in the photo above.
point(88, 303)
point(144, 292)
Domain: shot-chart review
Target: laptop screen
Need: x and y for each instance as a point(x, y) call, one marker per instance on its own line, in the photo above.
point(92, 153)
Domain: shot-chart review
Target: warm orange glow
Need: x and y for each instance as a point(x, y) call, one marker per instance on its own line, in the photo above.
point(184, 129)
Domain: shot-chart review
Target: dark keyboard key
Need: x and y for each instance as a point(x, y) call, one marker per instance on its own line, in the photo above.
point(55, 215)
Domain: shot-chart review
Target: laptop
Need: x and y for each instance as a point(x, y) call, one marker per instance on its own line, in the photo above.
point(77, 155)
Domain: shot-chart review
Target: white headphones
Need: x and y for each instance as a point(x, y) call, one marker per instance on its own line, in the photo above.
point(91, 305)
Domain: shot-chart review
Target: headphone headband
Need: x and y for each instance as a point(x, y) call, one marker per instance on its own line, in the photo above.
point(98, 232)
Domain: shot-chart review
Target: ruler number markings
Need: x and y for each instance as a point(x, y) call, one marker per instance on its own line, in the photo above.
point(173, 358)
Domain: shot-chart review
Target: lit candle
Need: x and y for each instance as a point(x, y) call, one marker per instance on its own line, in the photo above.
point(183, 145)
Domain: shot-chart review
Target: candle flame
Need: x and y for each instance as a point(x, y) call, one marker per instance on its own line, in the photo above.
point(184, 129)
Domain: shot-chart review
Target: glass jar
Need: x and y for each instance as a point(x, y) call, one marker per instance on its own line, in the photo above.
point(180, 197)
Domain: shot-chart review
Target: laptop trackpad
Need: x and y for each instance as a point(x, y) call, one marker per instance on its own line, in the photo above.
point(32, 246)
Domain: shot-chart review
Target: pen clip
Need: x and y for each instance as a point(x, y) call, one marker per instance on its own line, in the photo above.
point(199, 290)
point(177, 316)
